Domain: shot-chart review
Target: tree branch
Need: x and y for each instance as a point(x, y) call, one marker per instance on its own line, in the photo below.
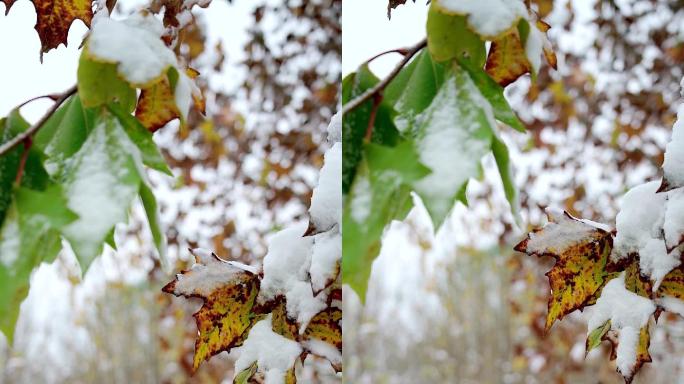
point(379, 87)
point(26, 135)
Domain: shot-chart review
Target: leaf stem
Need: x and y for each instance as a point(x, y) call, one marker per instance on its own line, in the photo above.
point(379, 87)
point(26, 135)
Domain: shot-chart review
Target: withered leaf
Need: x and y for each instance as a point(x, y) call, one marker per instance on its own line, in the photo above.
point(391, 4)
point(673, 284)
point(229, 293)
point(54, 17)
point(581, 251)
point(507, 61)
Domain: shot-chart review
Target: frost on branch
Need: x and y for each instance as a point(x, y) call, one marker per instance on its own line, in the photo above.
point(637, 273)
point(285, 310)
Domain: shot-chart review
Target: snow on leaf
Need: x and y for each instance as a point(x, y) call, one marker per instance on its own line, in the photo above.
point(489, 18)
point(54, 17)
point(274, 354)
point(101, 182)
point(326, 255)
point(494, 93)
point(629, 315)
point(581, 252)
point(674, 155)
point(673, 226)
point(229, 293)
point(99, 84)
point(448, 37)
point(286, 268)
point(135, 45)
point(326, 200)
point(456, 132)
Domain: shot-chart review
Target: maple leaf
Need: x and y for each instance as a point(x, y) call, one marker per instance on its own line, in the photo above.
point(605, 333)
point(54, 17)
point(581, 251)
point(673, 284)
point(8, 5)
point(229, 292)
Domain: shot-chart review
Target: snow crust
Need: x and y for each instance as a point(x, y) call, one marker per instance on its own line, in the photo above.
point(326, 253)
point(627, 312)
point(673, 168)
point(273, 353)
point(208, 274)
point(645, 218)
point(487, 17)
point(560, 232)
point(326, 201)
point(286, 268)
point(673, 226)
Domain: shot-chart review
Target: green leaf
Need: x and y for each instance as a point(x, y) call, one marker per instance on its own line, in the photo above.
point(244, 376)
point(596, 336)
point(412, 91)
point(494, 93)
point(34, 175)
point(29, 236)
point(380, 193)
point(355, 123)
point(152, 211)
point(455, 132)
point(64, 133)
point(100, 84)
point(449, 37)
point(110, 240)
point(142, 138)
point(101, 182)
point(503, 163)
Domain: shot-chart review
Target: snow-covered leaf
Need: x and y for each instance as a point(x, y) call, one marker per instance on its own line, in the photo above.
point(229, 293)
point(581, 252)
point(326, 200)
point(454, 134)
point(494, 93)
point(102, 180)
point(99, 84)
point(489, 18)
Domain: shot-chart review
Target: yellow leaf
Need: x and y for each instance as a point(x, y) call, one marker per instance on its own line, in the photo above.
point(326, 327)
point(227, 315)
point(507, 61)
point(673, 284)
point(581, 252)
point(156, 105)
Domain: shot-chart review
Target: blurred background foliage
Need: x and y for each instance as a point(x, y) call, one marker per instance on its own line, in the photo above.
point(460, 305)
point(242, 172)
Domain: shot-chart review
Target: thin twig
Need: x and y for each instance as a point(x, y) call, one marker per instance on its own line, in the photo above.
point(377, 99)
point(401, 51)
point(381, 85)
point(35, 127)
point(22, 164)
